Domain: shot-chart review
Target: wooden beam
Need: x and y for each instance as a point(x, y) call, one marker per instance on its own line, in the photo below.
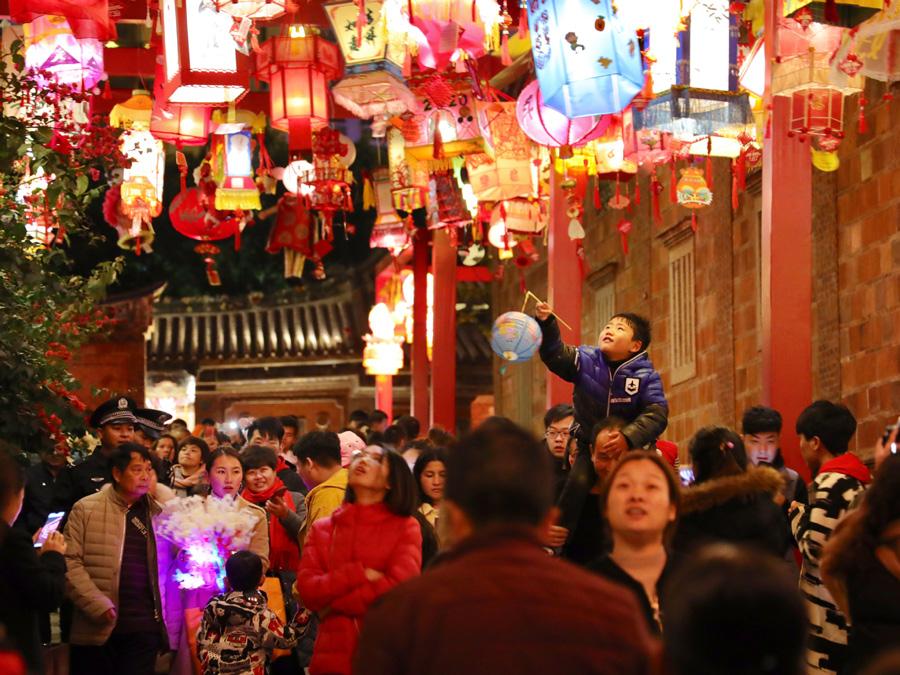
point(420, 365)
point(443, 363)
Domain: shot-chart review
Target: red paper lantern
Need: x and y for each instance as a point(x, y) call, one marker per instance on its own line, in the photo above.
point(181, 125)
point(202, 64)
point(191, 217)
point(298, 67)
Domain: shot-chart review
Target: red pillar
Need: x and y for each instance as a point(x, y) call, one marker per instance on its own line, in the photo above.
point(443, 361)
point(384, 395)
point(420, 366)
point(786, 268)
point(563, 282)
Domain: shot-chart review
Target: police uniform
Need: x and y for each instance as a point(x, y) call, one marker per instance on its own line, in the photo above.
point(86, 478)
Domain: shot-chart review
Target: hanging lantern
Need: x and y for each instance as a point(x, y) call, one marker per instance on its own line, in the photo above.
point(693, 192)
point(409, 179)
point(328, 182)
point(236, 190)
point(447, 202)
point(522, 216)
point(142, 184)
point(373, 45)
point(389, 230)
point(192, 218)
point(877, 40)
point(451, 124)
point(586, 61)
point(704, 99)
point(202, 64)
point(50, 46)
point(180, 125)
point(847, 13)
point(263, 10)
point(298, 67)
point(509, 173)
point(383, 354)
point(377, 95)
point(446, 31)
point(499, 235)
point(545, 126)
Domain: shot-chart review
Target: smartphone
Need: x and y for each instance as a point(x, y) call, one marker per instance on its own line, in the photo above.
point(50, 525)
point(686, 474)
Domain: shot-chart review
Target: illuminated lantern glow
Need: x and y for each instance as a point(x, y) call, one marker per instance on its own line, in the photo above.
point(445, 31)
point(377, 95)
point(142, 184)
point(383, 354)
point(587, 62)
point(409, 295)
point(509, 173)
point(253, 9)
point(202, 64)
point(51, 46)
point(180, 125)
point(499, 236)
point(409, 181)
point(522, 216)
point(847, 13)
point(298, 67)
point(236, 190)
point(545, 126)
point(389, 230)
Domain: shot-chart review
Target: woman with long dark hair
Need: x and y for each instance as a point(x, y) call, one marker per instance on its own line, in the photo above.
point(861, 568)
point(365, 548)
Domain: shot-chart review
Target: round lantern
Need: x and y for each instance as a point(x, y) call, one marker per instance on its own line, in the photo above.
point(51, 47)
point(546, 126)
point(192, 218)
point(515, 336)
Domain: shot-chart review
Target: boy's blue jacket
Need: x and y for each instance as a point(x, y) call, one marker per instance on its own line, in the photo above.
point(633, 392)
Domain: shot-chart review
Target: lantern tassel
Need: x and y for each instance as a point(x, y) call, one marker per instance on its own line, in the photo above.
point(181, 163)
point(862, 124)
point(673, 193)
point(237, 236)
point(598, 200)
point(735, 185)
point(694, 220)
point(505, 58)
point(360, 21)
point(523, 20)
point(709, 169)
point(637, 190)
point(655, 189)
point(437, 150)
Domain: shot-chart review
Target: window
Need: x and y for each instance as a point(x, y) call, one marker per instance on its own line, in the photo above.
point(604, 307)
point(682, 348)
point(600, 302)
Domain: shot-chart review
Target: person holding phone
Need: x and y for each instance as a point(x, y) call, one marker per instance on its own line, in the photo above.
point(32, 581)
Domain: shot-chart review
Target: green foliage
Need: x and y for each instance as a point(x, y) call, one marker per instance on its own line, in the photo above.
point(52, 157)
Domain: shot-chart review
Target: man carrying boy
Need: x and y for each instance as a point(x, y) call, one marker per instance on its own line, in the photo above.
point(238, 631)
point(825, 430)
point(616, 378)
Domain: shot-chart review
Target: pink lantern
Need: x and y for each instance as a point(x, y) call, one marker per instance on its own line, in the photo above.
point(51, 46)
point(546, 126)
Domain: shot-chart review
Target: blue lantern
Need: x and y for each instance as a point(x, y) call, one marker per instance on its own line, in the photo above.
point(515, 336)
point(587, 61)
point(704, 99)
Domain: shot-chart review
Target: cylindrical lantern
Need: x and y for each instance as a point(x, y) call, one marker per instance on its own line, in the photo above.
point(389, 230)
point(509, 173)
point(180, 125)
point(236, 190)
point(202, 65)
point(51, 46)
point(298, 67)
point(546, 126)
point(586, 61)
point(409, 179)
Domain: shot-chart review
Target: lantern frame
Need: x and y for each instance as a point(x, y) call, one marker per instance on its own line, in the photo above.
point(379, 49)
point(185, 82)
point(181, 125)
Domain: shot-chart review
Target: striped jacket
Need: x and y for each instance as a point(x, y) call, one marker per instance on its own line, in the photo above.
point(831, 495)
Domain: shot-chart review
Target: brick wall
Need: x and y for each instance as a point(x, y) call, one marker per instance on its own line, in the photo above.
point(856, 289)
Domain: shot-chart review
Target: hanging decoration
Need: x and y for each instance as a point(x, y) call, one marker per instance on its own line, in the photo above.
point(389, 230)
point(586, 61)
point(515, 336)
point(409, 179)
point(847, 13)
point(450, 31)
point(50, 46)
point(292, 233)
point(231, 159)
point(180, 125)
point(873, 49)
point(510, 172)
point(298, 67)
point(263, 10)
point(329, 180)
point(202, 64)
point(383, 354)
point(545, 126)
point(693, 192)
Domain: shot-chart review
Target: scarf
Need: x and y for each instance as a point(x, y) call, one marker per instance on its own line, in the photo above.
point(284, 552)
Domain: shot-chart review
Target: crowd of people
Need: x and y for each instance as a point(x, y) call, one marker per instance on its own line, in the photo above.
point(386, 548)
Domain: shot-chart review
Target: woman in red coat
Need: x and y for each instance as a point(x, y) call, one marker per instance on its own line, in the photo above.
point(368, 546)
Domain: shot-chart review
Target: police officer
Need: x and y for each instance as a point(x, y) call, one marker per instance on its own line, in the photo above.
point(149, 424)
point(114, 421)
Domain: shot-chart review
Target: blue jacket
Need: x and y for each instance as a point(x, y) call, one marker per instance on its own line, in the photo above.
point(632, 392)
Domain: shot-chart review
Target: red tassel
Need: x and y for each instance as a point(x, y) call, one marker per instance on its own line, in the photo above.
point(624, 227)
point(742, 170)
point(709, 169)
point(407, 64)
point(735, 185)
point(107, 92)
point(360, 21)
point(862, 126)
point(655, 189)
point(181, 163)
point(437, 149)
point(673, 193)
point(237, 238)
point(505, 58)
point(523, 20)
point(637, 190)
point(598, 201)
point(474, 12)
point(694, 219)
point(831, 11)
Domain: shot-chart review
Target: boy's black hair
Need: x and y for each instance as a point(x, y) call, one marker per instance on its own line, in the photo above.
point(322, 447)
point(761, 420)
point(612, 423)
point(640, 327)
point(833, 423)
point(558, 412)
point(409, 425)
point(359, 416)
point(121, 458)
point(258, 456)
point(194, 440)
point(377, 416)
point(270, 427)
point(244, 571)
point(290, 421)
